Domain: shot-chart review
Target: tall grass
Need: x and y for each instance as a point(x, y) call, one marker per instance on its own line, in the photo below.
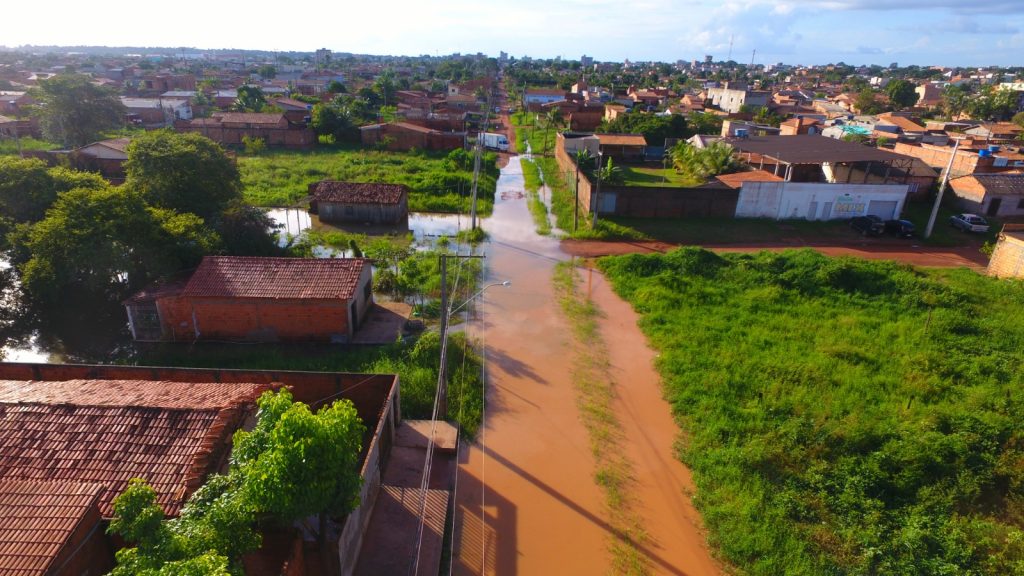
point(532, 183)
point(842, 416)
point(595, 394)
point(282, 177)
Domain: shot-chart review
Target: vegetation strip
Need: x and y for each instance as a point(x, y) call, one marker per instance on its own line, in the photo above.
point(595, 395)
point(532, 183)
point(842, 416)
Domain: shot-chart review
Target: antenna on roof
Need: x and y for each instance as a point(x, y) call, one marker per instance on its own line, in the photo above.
point(752, 58)
point(731, 38)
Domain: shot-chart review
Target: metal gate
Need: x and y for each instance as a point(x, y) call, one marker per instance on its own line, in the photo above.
point(884, 209)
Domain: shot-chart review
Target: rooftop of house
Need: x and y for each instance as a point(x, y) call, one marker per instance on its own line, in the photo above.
point(737, 179)
point(291, 104)
point(621, 139)
point(245, 118)
point(357, 192)
point(275, 278)
point(812, 149)
point(118, 144)
point(903, 123)
point(545, 92)
point(1002, 183)
point(38, 520)
point(172, 434)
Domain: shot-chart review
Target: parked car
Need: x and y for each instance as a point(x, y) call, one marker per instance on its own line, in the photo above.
point(969, 223)
point(868, 225)
point(901, 228)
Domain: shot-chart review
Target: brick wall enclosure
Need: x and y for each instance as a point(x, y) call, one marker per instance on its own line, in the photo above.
point(254, 319)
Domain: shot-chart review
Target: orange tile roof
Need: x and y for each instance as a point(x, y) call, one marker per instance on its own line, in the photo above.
point(172, 434)
point(37, 520)
point(736, 180)
point(622, 139)
point(288, 278)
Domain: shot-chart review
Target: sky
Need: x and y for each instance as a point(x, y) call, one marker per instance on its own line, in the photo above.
point(923, 32)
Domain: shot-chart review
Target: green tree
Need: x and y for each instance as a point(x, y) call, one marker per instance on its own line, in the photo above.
point(267, 71)
point(954, 101)
point(865, 102)
point(293, 463)
point(335, 87)
point(249, 99)
point(245, 231)
point(1018, 119)
point(184, 172)
point(73, 111)
point(99, 245)
point(331, 120)
point(901, 93)
point(703, 163)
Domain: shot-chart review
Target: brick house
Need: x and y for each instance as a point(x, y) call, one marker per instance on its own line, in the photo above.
point(229, 128)
point(106, 157)
point(254, 299)
point(406, 136)
point(363, 202)
point(997, 195)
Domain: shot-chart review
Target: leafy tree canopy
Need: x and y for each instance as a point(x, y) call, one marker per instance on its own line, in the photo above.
point(901, 93)
point(292, 464)
point(184, 172)
point(74, 111)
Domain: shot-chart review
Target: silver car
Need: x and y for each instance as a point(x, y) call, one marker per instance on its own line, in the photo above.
point(969, 223)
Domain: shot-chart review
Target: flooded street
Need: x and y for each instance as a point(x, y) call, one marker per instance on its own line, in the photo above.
point(527, 501)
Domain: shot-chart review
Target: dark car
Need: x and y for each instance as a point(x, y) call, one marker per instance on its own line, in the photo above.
point(868, 225)
point(901, 228)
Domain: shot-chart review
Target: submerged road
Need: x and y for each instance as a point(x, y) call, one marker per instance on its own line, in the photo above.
point(527, 502)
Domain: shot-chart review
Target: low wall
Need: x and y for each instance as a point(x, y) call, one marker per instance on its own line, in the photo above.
point(651, 201)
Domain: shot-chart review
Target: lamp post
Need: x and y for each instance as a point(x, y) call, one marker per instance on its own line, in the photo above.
point(442, 377)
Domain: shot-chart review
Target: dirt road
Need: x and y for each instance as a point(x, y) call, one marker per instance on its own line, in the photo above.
point(908, 254)
point(532, 466)
point(526, 500)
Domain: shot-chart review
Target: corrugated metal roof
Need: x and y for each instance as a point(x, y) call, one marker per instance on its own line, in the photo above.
point(812, 149)
point(36, 521)
point(286, 278)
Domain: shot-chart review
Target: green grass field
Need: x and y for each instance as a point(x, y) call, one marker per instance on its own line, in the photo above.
point(282, 177)
point(644, 176)
point(841, 416)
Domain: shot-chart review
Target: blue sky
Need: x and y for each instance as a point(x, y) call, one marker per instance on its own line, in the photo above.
point(946, 32)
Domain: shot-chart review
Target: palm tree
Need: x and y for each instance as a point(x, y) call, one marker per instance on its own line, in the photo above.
point(701, 164)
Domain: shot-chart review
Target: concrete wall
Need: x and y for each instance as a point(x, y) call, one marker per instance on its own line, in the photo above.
point(272, 136)
point(1008, 258)
point(814, 201)
point(355, 524)
point(646, 201)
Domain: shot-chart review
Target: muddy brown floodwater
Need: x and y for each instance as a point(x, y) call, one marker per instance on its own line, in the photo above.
point(527, 502)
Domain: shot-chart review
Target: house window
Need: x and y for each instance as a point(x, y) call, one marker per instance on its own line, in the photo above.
point(1020, 204)
point(366, 291)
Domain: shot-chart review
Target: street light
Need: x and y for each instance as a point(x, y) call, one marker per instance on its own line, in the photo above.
point(442, 377)
point(479, 292)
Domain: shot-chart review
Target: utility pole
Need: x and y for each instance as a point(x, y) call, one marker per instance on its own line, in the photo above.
point(942, 190)
point(442, 410)
point(576, 198)
point(597, 192)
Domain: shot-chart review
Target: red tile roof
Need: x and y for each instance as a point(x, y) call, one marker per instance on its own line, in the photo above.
point(37, 520)
point(172, 434)
point(357, 192)
point(622, 139)
point(287, 278)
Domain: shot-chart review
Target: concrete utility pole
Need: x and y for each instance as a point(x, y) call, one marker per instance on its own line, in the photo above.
point(597, 191)
point(942, 190)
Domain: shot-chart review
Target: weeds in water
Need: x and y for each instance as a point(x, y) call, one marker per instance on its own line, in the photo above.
point(595, 398)
point(532, 183)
